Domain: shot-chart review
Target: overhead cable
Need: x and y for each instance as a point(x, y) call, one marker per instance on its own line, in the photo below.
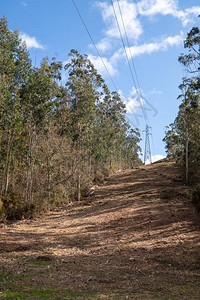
point(129, 47)
point(129, 65)
point(94, 44)
point(123, 42)
point(79, 13)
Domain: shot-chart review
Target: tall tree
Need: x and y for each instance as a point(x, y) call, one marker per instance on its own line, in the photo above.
point(37, 102)
point(83, 86)
point(15, 68)
point(183, 138)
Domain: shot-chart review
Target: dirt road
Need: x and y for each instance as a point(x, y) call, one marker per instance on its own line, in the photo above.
point(137, 237)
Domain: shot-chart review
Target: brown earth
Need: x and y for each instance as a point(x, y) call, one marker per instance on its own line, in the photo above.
point(137, 237)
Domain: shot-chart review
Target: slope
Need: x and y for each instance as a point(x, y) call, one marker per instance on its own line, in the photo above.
point(137, 237)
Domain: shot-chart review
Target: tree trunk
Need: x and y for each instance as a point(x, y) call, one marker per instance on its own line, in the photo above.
point(5, 179)
point(186, 156)
point(90, 160)
point(79, 167)
point(49, 178)
point(120, 158)
point(30, 166)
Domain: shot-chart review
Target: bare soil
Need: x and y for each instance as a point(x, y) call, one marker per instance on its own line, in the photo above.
point(136, 237)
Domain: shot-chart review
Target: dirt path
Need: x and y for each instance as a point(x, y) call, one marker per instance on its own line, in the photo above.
point(137, 237)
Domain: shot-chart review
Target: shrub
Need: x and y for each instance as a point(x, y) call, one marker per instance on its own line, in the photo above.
point(13, 208)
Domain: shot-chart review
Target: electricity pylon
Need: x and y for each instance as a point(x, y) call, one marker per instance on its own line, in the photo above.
point(147, 152)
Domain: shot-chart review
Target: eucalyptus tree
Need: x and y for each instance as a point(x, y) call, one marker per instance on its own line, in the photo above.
point(116, 125)
point(191, 103)
point(37, 100)
point(101, 137)
point(173, 141)
point(53, 138)
point(183, 138)
point(132, 149)
point(15, 66)
point(83, 85)
point(191, 60)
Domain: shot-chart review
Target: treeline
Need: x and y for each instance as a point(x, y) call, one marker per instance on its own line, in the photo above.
point(55, 140)
point(183, 135)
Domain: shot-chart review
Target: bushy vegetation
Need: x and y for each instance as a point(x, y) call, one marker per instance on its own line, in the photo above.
point(183, 136)
point(56, 140)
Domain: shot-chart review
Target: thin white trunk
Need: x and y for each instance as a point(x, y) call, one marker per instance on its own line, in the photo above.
point(30, 166)
point(79, 167)
point(5, 179)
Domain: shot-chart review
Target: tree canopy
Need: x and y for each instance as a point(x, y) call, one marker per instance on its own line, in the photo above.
point(56, 140)
point(183, 136)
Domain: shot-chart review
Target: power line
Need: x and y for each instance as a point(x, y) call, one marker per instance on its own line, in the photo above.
point(142, 108)
point(130, 121)
point(134, 68)
point(94, 44)
point(123, 43)
point(144, 113)
point(138, 91)
point(79, 13)
point(147, 154)
point(129, 47)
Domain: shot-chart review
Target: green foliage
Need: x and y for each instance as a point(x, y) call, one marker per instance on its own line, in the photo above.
point(14, 209)
point(49, 294)
point(183, 136)
point(55, 140)
point(9, 201)
point(13, 289)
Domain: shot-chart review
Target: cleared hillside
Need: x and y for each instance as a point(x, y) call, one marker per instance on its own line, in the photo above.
point(136, 237)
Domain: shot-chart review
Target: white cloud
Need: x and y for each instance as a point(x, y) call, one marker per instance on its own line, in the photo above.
point(104, 45)
point(96, 60)
point(190, 13)
point(153, 7)
point(117, 56)
point(132, 105)
point(30, 42)
point(173, 40)
point(129, 13)
point(194, 10)
point(149, 48)
point(167, 7)
point(132, 12)
point(134, 102)
point(145, 48)
point(162, 45)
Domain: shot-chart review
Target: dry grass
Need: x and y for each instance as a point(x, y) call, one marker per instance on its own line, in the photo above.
point(137, 237)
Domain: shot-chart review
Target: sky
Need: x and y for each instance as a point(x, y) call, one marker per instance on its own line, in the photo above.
point(153, 39)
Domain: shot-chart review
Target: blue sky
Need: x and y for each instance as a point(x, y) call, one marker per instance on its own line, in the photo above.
point(155, 29)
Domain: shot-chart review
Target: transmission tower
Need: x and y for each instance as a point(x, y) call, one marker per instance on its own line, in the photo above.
point(147, 153)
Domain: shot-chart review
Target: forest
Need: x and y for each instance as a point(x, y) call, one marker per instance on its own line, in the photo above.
point(56, 140)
